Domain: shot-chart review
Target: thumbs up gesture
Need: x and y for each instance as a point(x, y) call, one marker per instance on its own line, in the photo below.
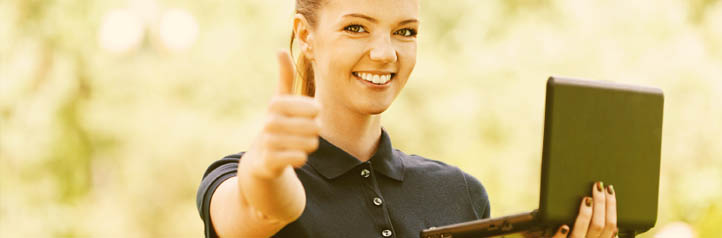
point(291, 130)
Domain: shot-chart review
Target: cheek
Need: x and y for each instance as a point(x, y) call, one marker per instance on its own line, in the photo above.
point(407, 57)
point(350, 53)
point(341, 56)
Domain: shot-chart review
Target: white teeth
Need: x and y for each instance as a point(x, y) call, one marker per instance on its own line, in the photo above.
point(374, 78)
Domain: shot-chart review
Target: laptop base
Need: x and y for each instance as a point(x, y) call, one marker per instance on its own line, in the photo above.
point(506, 226)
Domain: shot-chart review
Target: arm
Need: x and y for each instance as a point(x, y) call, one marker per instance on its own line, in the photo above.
point(266, 194)
point(233, 216)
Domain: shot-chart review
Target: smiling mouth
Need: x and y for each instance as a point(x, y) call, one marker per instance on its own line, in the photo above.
point(378, 79)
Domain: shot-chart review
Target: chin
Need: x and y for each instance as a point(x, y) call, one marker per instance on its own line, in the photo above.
point(375, 108)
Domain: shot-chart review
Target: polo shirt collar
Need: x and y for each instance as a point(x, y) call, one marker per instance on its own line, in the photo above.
point(331, 161)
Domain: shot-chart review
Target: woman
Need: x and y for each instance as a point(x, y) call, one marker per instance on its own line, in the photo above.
point(323, 166)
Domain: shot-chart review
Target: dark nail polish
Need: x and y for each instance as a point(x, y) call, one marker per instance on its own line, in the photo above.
point(565, 230)
point(610, 189)
point(588, 201)
point(600, 185)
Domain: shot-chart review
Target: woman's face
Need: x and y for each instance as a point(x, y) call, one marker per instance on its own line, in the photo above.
point(363, 52)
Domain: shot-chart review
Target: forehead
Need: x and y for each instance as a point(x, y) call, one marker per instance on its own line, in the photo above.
point(383, 10)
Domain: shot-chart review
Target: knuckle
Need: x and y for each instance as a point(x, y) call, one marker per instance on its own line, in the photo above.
point(308, 111)
point(315, 107)
point(305, 144)
point(611, 199)
point(302, 157)
point(297, 158)
point(611, 223)
point(275, 103)
point(315, 127)
point(309, 127)
point(313, 143)
point(270, 141)
point(313, 130)
point(585, 216)
point(272, 123)
point(586, 212)
point(596, 226)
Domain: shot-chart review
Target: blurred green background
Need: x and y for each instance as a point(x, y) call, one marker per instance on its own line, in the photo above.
point(112, 110)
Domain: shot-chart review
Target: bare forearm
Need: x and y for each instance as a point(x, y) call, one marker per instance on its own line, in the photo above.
point(232, 217)
point(249, 206)
point(280, 199)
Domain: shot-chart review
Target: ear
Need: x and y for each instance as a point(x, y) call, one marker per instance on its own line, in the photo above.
point(304, 35)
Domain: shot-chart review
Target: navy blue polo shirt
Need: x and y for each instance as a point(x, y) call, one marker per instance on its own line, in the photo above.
point(393, 194)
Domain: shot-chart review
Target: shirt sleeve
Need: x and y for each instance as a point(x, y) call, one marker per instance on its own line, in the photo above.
point(216, 173)
point(479, 197)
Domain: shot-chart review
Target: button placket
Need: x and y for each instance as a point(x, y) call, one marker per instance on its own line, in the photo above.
point(373, 195)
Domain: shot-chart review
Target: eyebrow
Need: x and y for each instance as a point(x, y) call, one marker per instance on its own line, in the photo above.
point(371, 19)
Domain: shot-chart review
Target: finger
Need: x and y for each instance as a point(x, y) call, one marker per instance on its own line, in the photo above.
point(598, 212)
point(275, 161)
point(293, 125)
point(610, 226)
point(295, 158)
point(562, 232)
point(281, 142)
point(286, 76)
point(295, 106)
point(581, 224)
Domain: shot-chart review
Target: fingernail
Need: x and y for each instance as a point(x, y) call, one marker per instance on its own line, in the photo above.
point(610, 189)
point(600, 185)
point(564, 230)
point(588, 201)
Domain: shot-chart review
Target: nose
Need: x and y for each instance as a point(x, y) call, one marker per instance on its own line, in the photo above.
point(382, 50)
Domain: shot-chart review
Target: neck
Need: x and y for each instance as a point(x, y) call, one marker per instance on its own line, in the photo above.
point(357, 134)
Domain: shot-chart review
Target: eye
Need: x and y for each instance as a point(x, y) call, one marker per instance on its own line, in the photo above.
point(407, 32)
point(354, 28)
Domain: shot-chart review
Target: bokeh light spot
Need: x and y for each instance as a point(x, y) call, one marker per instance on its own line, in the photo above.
point(178, 29)
point(120, 31)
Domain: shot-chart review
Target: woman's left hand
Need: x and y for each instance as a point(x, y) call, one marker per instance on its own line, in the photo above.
point(597, 215)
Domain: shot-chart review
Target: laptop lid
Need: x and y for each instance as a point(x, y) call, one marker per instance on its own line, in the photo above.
point(601, 131)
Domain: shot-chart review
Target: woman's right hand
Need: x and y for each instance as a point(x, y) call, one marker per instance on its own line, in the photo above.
point(290, 131)
point(267, 194)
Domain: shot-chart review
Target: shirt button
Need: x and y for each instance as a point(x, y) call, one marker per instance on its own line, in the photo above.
point(386, 233)
point(378, 201)
point(365, 173)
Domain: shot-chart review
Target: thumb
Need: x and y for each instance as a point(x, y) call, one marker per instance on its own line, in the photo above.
point(286, 73)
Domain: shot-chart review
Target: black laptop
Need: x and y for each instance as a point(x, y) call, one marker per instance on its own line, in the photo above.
point(593, 131)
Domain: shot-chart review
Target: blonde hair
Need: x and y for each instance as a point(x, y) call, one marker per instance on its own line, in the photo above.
point(304, 71)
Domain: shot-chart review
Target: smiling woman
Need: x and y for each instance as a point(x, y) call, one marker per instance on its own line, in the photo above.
point(361, 53)
point(323, 166)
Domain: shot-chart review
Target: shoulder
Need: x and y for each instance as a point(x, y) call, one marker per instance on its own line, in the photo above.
point(446, 175)
point(418, 164)
point(227, 163)
point(215, 174)
point(421, 167)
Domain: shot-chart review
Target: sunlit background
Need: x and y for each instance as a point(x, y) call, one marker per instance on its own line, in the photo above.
point(112, 110)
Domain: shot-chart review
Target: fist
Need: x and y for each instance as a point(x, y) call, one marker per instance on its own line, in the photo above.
point(291, 128)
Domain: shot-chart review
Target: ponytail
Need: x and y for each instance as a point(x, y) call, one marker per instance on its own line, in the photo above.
point(304, 81)
point(304, 71)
